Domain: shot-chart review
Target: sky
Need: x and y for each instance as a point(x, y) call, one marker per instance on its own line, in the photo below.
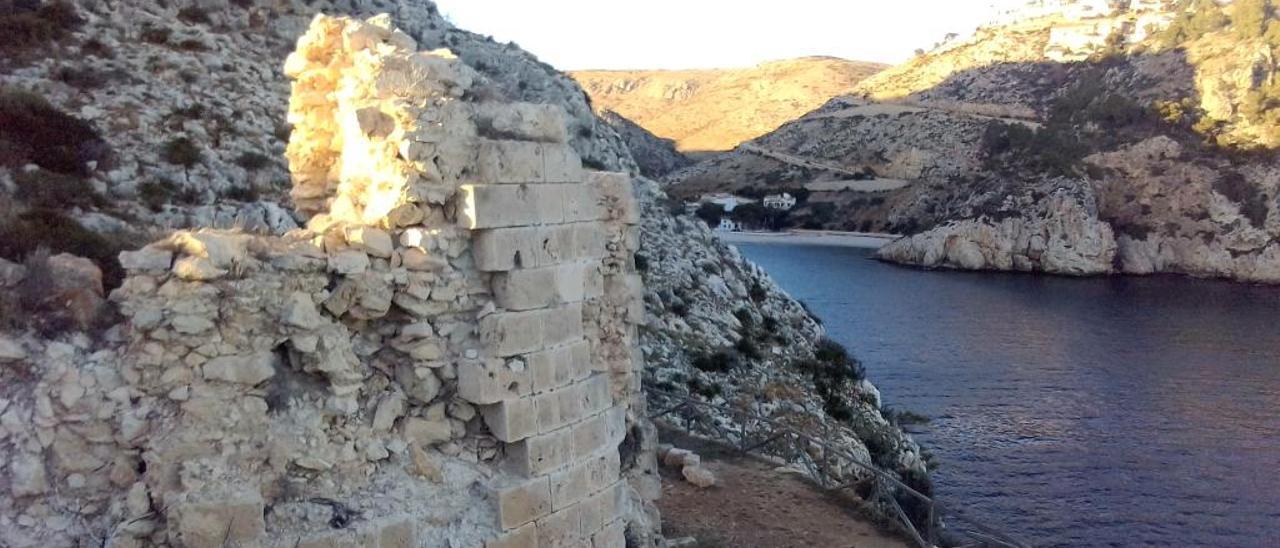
point(675, 34)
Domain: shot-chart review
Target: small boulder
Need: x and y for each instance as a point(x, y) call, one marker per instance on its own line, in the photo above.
point(698, 476)
point(10, 350)
point(246, 370)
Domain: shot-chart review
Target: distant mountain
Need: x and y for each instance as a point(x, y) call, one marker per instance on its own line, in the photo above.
point(716, 109)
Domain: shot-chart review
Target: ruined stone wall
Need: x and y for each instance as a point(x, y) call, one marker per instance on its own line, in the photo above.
point(445, 356)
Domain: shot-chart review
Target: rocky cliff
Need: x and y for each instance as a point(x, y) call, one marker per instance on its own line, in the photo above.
point(715, 109)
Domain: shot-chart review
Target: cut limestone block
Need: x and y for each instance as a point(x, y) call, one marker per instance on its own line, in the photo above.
point(562, 528)
point(494, 380)
point(511, 420)
point(212, 523)
point(522, 121)
point(616, 194)
point(511, 333)
point(507, 205)
point(524, 537)
point(538, 455)
point(529, 288)
point(503, 249)
point(612, 535)
point(513, 162)
point(523, 502)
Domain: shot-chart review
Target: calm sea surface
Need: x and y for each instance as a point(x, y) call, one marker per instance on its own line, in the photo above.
point(1097, 412)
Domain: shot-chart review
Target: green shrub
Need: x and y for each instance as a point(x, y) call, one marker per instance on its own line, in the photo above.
point(191, 44)
point(194, 15)
point(1249, 18)
point(181, 151)
point(834, 373)
point(33, 131)
point(242, 194)
point(81, 77)
point(152, 34)
point(746, 347)
point(54, 230)
point(1195, 18)
point(710, 213)
point(156, 193)
point(252, 161)
point(715, 362)
point(1252, 202)
point(47, 189)
point(706, 390)
point(27, 27)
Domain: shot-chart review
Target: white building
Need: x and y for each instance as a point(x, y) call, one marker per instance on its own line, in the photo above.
point(784, 201)
point(727, 225)
point(726, 201)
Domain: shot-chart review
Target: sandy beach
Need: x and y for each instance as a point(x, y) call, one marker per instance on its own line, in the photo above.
point(810, 237)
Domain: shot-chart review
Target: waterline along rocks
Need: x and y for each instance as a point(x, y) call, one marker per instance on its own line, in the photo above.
point(427, 362)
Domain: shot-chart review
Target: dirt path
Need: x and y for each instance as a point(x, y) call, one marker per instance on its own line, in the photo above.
point(754, 506)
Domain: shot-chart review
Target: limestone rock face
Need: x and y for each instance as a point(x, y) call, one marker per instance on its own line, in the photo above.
point(415, 367)
point(1061, 235)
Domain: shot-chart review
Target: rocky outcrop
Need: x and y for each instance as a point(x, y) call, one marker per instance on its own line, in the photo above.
point(1057, 234)
point(654, 155)
point(427, 362)
point(1176, 210)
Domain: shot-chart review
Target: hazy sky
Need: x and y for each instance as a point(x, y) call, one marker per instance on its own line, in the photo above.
point(614, 34)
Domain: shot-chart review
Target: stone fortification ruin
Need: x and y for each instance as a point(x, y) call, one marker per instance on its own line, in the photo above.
point(446, 355)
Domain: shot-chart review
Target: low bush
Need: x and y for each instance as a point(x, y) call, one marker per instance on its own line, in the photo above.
point(32, 25)
point(834, 373)
point(194, 15)
point(1250, 198)
point(181, 151)
point(33, 131)
point(747, 348)
point(242, 194)
point(51, 229)
point(715, 362)
point(50, 190)
point(252, 161)
point(156, 193)
point(152, 34)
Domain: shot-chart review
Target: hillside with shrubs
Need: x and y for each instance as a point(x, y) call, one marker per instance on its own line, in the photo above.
point(1158, 118)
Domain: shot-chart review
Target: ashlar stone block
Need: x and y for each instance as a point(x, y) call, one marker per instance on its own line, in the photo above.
point(503, 249)
point(499, 206)
point(530, 288)
point(512, 420)
point(510, 162)
point(213, 522)
point(562, 529)
point(541, 454)
point(512, 333)
point(616, 194)
point(523, 502)
point(522, 121)
point(523, 537)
